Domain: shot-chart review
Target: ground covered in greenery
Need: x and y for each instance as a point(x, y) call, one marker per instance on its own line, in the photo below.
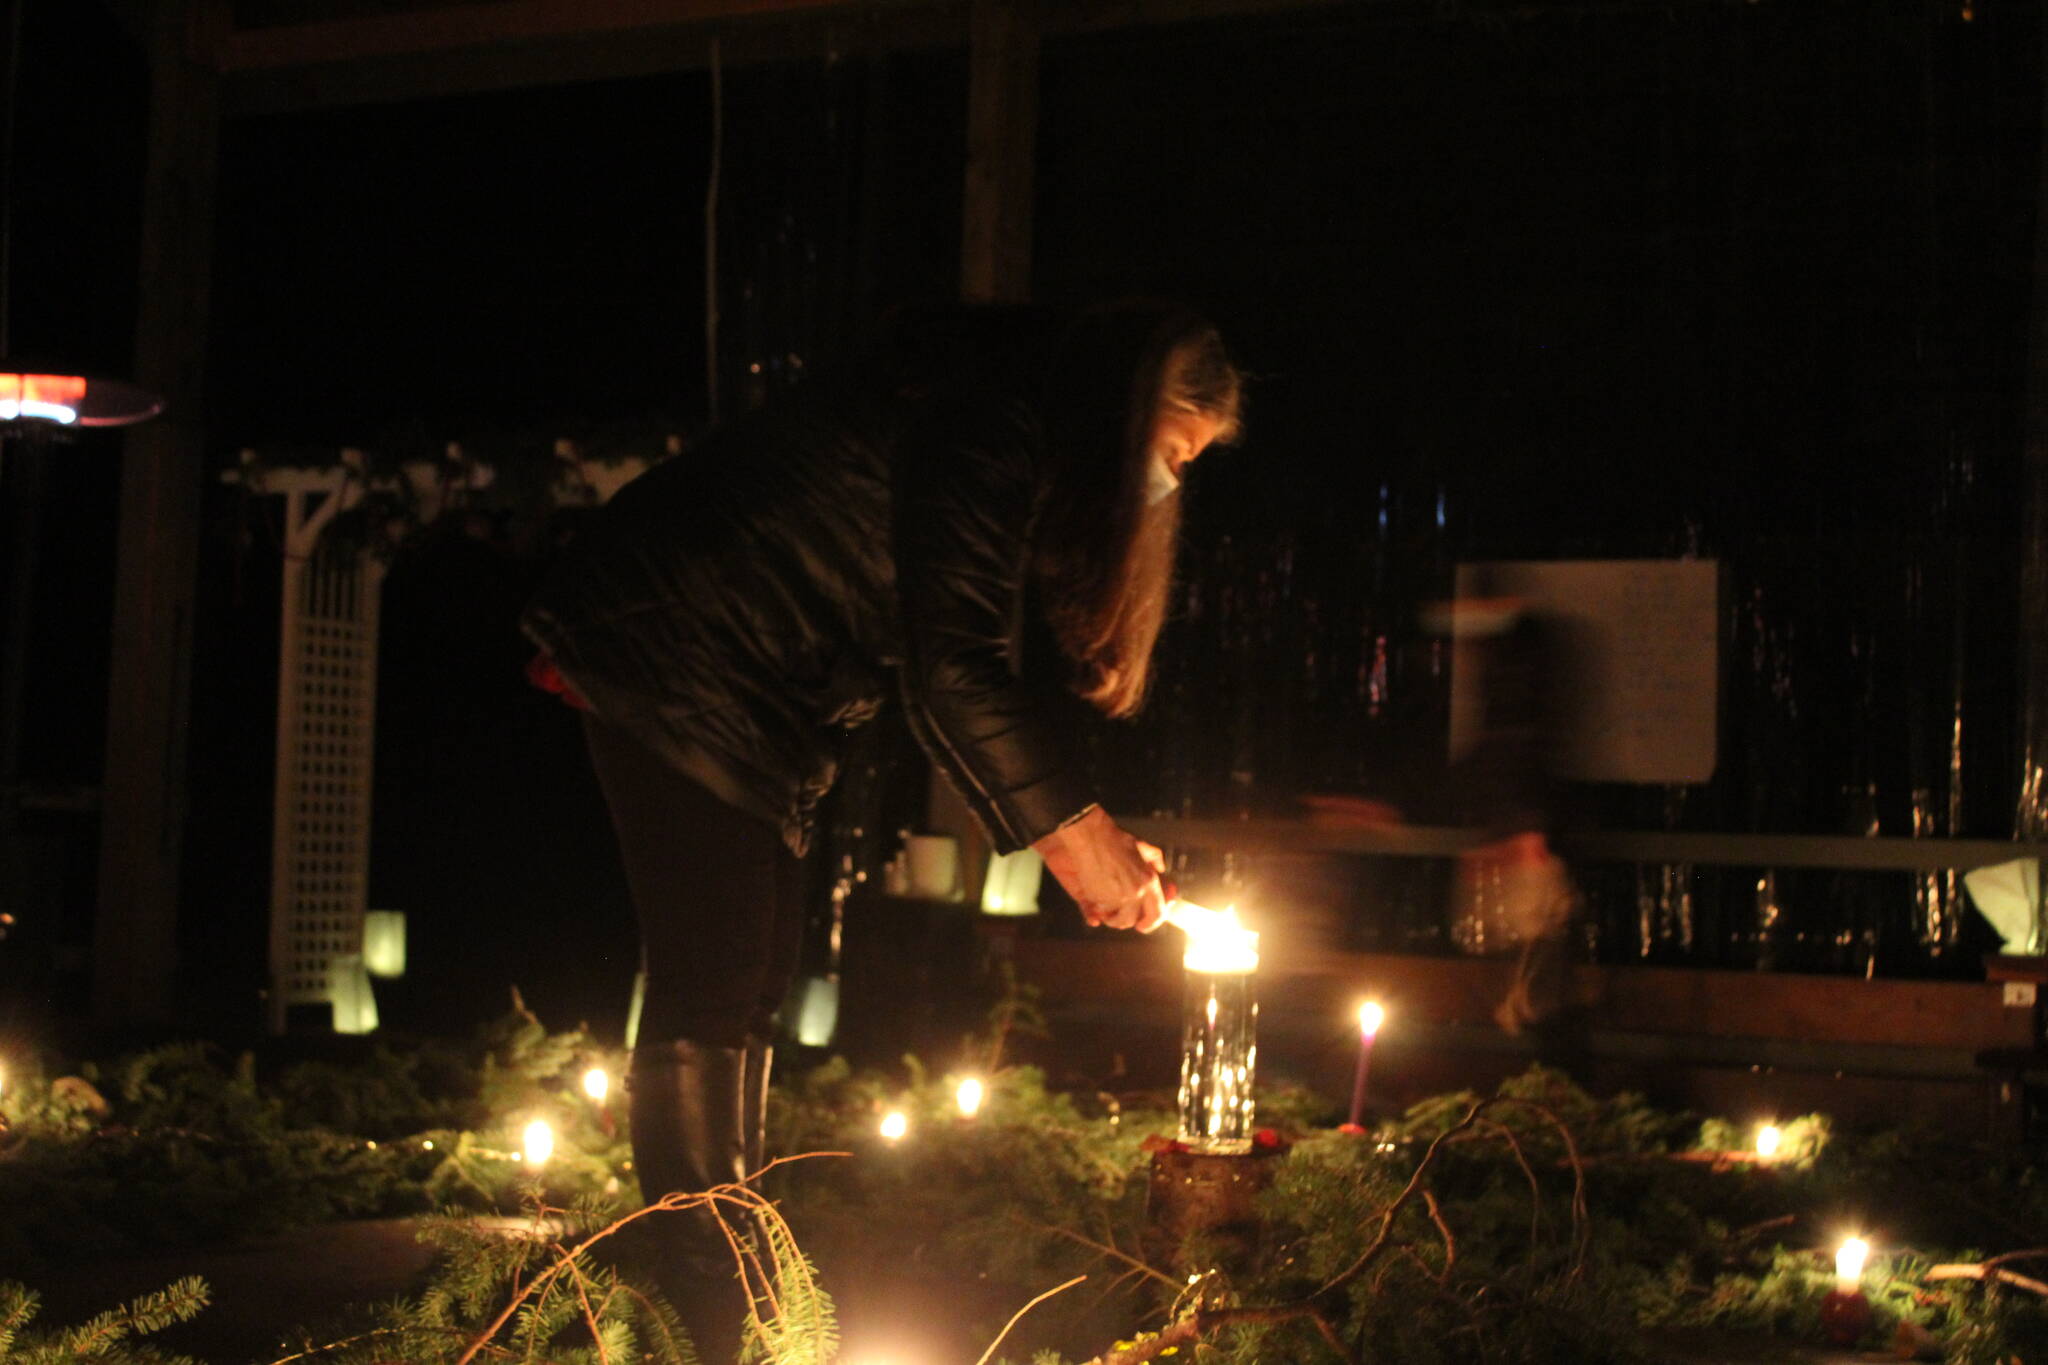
point(1538, 1224)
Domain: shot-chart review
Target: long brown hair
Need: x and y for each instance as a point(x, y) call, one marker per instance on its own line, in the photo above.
point(1105, 553)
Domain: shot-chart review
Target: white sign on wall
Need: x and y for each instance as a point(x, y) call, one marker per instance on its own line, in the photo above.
point(1641, 699)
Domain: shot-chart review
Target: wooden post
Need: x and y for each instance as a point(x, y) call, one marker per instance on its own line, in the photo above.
point(2030, 818)
point(135, 934)
point(995, 253)
point(1002, 136)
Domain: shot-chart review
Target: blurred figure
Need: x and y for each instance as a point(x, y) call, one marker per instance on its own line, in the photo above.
point(1512, 893)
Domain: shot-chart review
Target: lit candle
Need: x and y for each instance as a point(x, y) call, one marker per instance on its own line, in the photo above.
point(969, 1097)
point(895, 1124)
point(1768, 1139)
point(1370, 1016)
point(1849, 1263)
point(597, 1085)
point(539, 1140)
point(1219, 1023)
point(1845, 1313)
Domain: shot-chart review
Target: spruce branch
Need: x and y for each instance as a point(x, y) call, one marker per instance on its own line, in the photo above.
point(1312, 1308)
point(542, 1283)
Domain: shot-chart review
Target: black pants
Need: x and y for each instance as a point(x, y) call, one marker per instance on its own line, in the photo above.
point(718, 894)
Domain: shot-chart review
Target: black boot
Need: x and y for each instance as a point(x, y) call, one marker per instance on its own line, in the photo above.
point(689, 1134)
point(754, 1102)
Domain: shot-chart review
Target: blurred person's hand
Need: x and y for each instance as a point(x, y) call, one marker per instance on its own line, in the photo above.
point(1112, 874)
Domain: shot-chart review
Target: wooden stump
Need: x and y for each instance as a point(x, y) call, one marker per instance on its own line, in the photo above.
point(1198, 1192)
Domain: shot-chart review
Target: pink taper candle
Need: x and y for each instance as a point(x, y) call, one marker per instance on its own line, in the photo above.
point(1370, 1016)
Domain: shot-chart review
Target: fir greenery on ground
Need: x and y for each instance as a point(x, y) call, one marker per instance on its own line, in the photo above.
point(1538, 1224)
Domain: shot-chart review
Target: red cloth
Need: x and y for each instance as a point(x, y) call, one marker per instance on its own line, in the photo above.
point(542, 673)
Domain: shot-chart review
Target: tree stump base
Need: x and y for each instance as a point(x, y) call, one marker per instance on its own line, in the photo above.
point(1212, 1195)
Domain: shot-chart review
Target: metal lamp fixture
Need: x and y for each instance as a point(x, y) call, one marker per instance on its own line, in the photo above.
point(35, 401)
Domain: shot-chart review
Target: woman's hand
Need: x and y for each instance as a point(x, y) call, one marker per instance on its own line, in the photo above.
point(1111, 874)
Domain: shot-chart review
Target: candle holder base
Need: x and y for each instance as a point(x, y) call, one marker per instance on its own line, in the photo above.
point(1845, 1316)
point(1211, 1193)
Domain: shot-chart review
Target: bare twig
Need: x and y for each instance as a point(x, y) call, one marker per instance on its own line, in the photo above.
point(1019, 1314)
point(604, 1357)
point(1436, 1215)
point(1105, 1249)
point(1582, 1222)
point(1987, 1271)
point(323, 1349)
point(1784, 1220)
point(1507, 1135)
point(1407, 1195)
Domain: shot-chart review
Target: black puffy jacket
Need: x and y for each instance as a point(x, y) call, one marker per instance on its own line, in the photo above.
point(740, 608)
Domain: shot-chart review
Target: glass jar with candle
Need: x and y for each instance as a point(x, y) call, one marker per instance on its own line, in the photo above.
point(1219, 1038)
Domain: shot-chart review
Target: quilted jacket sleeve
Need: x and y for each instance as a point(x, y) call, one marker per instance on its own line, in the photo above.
point(966, 498)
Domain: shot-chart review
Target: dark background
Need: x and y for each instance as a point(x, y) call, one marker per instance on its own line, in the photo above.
point(1748, 281)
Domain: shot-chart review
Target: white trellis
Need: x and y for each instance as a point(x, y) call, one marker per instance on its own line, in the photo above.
point(327, 709)
point(326, 732)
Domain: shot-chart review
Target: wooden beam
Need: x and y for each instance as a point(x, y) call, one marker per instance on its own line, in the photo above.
point(610, 54)
point(141, 846)
point(446, 29)
point(525, 44)
point(454, 28)
point(1002, 139)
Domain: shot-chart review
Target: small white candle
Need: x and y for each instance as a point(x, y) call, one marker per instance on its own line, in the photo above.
point(1849, 1261)
point(969, 1096)
point(1768, 1139)
point(596, 1084)
point(895, 1124)
point(539, 1139)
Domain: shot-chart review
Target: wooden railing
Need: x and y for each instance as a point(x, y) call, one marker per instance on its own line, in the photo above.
point(1841, 852)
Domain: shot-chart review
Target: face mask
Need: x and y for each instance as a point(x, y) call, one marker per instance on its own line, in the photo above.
point(1161, 482)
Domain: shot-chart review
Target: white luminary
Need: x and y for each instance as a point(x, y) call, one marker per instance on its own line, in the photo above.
point(1219, 1031)
point(384, 943)
point(1011, 887)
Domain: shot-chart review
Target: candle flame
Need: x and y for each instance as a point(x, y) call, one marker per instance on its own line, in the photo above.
point(1370, 1016)
point(969, 1096)
point(539, 1139)
point(895, 1124)
point(1218, 943)
point(1768, 1139)
point(596, 1084)
point(1849, 1261)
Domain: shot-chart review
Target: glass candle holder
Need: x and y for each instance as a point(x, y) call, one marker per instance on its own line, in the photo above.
point(1219, 1041)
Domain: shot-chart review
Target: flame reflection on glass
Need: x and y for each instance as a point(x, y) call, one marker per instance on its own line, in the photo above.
point(1219, 1030)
